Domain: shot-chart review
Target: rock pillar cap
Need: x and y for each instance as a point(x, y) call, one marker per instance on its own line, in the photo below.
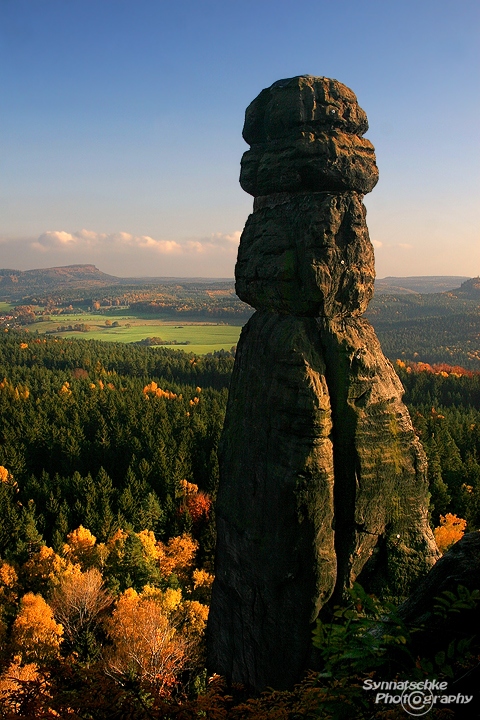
point(306, 134)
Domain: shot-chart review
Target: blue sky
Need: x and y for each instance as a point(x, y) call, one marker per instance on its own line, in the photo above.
point(121, 120)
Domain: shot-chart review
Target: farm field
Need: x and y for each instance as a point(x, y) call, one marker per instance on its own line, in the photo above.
point(5, 307)
point(202, 337)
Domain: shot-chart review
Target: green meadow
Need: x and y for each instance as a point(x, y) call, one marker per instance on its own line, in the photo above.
point(202, 337)
point(5, 307)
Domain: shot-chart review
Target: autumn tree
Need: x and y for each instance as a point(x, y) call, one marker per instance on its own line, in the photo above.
point(78, 604)
point(8, 583)
point(45, 569)
point(10, 517)
point(194, 501)
point(8, 596)
point(36, 636)
point(13, 680)
point(144, 643)
point(450, 531)
point(132, 563)
point(177, 557)
point(202, 585)
point(80, 547)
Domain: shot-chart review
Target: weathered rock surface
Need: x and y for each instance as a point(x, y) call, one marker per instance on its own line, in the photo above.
point(275, 560)
point(322, 478)
point(306, 134)
point(307, 254)
point(381, 525)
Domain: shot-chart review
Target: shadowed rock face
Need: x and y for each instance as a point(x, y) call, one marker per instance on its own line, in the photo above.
point(322, 479)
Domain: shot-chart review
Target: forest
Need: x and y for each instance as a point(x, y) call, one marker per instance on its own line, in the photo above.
point(108, 477)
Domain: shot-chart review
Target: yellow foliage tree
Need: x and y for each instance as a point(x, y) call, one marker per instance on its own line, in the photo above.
point(169, 600)
point(202, 585)
point(188, 488)
point(36, 636)
point(195, 618)
point(8, 577)
point(202, 578)
point(450, 531)
point(145, 643)
point(149, 543)
point(80, 547)
point(65, 389)
point(44, 570)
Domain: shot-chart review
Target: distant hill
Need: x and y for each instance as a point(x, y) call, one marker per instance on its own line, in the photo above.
point(421, 284)
point(19, 284)
point(14, 284)
point(469, 289)
point(432, 327)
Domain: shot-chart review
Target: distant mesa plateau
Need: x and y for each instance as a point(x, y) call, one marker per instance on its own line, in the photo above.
point(15, 284)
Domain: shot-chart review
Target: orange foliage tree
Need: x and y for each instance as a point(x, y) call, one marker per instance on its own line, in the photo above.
point(450, 531)
point(153, 389)
point(195, 501)
point(177, 556)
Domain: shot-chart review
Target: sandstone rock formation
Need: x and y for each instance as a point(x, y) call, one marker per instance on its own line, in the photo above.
point(433, 631)
point(459, 566)
point(322, 479)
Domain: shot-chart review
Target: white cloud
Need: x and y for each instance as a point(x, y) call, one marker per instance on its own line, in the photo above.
point(125, 254)
point(91, 240)
point(214, 243)
point(88, 240)
point(377, 243)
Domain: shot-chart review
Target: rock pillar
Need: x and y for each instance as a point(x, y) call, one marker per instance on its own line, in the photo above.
point(322, 479)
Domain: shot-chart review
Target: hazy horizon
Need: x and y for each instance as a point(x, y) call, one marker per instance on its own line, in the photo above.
point(121, 127)
point(226, 278)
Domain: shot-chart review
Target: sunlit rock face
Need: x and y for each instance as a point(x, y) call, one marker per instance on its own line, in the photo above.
point(322, 479)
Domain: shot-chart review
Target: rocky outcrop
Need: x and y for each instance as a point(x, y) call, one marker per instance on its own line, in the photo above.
point(443, 610)
point(459, 566)
point(322, 479)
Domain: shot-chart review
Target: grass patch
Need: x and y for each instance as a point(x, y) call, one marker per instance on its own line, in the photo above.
point(5, 307)
point(202, 337)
